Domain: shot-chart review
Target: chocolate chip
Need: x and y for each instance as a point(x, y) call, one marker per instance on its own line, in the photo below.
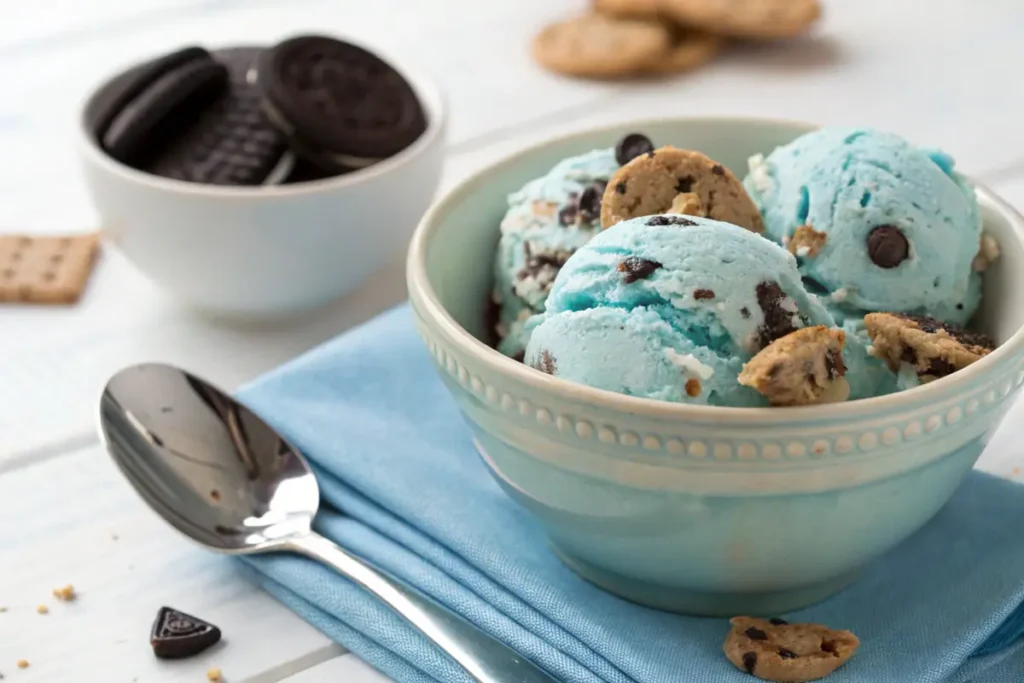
point(749, 661)
point(775, 621)
point(701, 294)
point(692, 387)
point(621, 187)
point(632, 146)
point(787, 654)
point(669, 220)
point(590, 201)
point(755, 633)
point(939, 367)
point(176, 635)
point(636, 268)
point(887, 246)
point(745, 312)
point(567, 214)
point(546, 363)
point(965, 337)
point(717, 169)
point(835, 368)
point(778, 321)
point(828, 646)
point(685, 184)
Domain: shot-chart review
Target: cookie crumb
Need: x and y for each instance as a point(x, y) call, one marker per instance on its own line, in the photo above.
point(686, 203)
point(806, 242)
point(214, 495)
point(692, 387)
point(214, 676)
point(988, 252)
point(42, 609)
point(65, 594)
point(22, 663)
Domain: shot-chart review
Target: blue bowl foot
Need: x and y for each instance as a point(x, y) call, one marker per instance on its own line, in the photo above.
point(706, 604)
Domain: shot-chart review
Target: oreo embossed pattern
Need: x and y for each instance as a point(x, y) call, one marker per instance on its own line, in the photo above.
point(310, 107)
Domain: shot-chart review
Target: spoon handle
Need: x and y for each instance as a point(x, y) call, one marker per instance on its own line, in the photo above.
point(486, 659)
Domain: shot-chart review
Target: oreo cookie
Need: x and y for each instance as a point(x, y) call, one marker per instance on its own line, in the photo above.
point(341, 106)
point(229, 141)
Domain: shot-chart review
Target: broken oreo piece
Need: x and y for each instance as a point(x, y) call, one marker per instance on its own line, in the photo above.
point(342, 106)
point(160, 95)
point(177, 635)
point(230, 141)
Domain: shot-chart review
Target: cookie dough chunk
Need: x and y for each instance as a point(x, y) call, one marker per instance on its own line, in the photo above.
point(774, 650)
point(598, 46)
point(650, 184)
point(689, 50)
point(934, 348)
point(745, 18)
point(803, 368)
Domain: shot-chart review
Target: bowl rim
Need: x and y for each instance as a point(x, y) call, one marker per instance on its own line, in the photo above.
point(427, 89)
point(425, 299)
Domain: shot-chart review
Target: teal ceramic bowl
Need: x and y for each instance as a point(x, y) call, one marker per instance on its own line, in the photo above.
point(696, 509)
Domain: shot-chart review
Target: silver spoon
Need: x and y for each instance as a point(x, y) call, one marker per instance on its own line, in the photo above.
point(220, 475)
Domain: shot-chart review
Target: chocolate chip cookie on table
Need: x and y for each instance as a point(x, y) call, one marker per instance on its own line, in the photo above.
point(623, 38)
point(774, 650)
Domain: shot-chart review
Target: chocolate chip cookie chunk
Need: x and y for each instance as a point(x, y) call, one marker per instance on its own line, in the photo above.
point(745, 18)
point(774, 650)
point(652, 183)
point(934, 348)
point(802, 368)
point(599, 46)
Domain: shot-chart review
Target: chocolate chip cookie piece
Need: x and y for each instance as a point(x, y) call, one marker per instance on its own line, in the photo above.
point(651, 183)
point(774, 650)
point(803, 368)
point(934, 348)
point(599, 46)
point(806, 242)
point(764, 19)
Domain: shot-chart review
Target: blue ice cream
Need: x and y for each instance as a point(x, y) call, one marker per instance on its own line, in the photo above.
point(546, 222)
point(892, 227)
point(670, 307)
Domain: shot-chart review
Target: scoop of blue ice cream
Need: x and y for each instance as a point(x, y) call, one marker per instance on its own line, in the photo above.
point(901, 227)
point(670, 307)
point(547, 220)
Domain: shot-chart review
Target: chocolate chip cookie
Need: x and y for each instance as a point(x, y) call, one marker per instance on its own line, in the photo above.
point(774, 650)
point(934, 348)
point(806, 242)
point(651, 183)
point(802, 368)
point(689, 49)
point(600, 46)
point(745, 18)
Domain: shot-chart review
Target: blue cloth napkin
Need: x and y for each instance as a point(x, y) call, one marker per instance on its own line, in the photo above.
point(403, 487)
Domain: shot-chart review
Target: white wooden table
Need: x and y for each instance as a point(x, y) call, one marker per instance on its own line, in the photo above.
point(942, 72)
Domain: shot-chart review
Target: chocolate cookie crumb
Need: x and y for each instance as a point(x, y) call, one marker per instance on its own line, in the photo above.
point(176, 635)
point(662, 220)
point(702, 294)
point(887, 246)
point(635, 268)
point(745, 312)
point(779, 312)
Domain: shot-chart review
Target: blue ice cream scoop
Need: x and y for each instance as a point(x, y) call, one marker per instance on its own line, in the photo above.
point(547, 220)
point(670, 307)
point(895, 227)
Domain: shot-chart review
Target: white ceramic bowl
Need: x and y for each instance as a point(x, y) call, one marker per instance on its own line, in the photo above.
point(255, 251)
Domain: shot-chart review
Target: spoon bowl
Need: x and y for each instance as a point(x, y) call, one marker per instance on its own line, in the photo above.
point(216, 472)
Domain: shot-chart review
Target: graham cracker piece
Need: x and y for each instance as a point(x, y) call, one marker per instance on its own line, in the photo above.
point(46, 269)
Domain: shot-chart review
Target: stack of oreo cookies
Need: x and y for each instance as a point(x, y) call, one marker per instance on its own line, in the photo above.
point(310, 107)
